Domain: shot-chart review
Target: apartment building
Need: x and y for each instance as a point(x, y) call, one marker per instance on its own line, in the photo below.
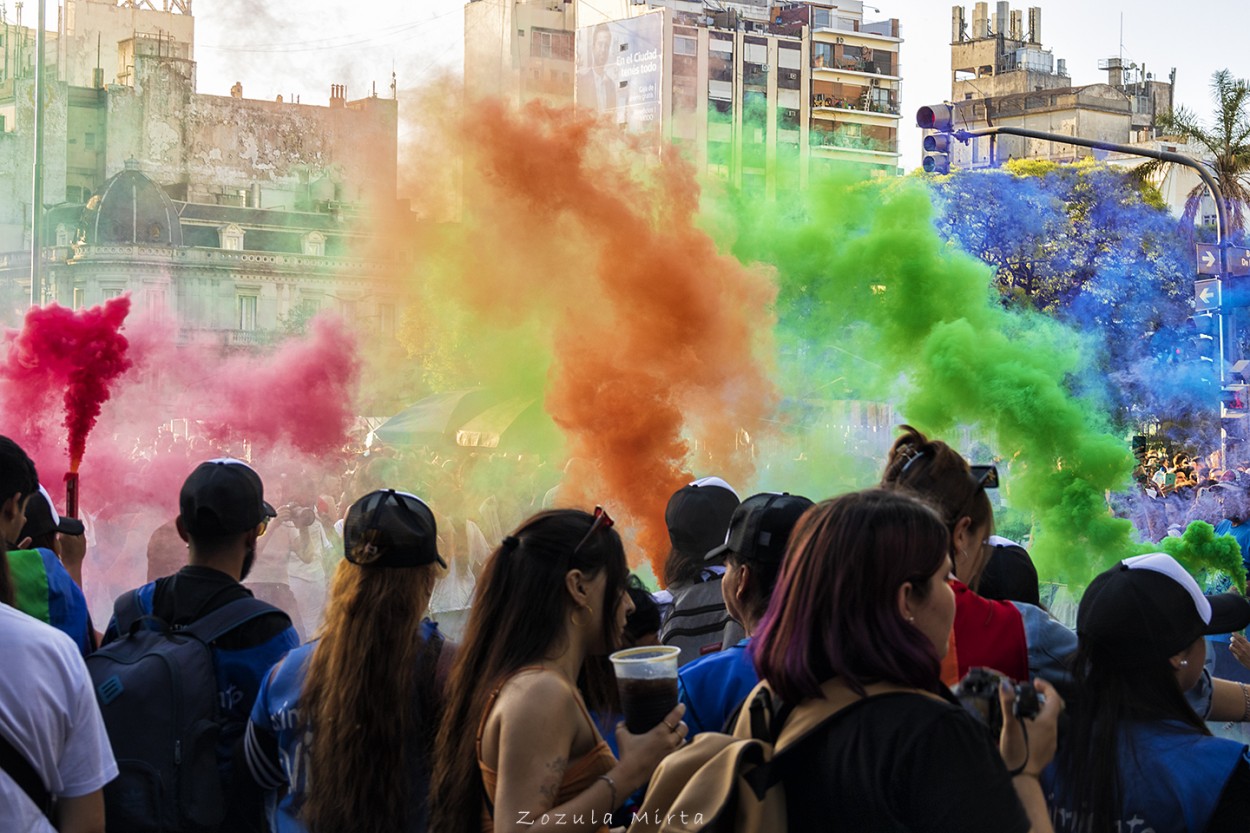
point(759, 94)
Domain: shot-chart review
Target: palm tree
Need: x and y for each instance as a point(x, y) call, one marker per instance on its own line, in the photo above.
point(1226, 143)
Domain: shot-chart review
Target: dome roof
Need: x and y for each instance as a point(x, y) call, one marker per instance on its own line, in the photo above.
point(132, 209)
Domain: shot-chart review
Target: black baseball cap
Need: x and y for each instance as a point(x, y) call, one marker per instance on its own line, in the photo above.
point(1148, 606)
point(698, 515)
point(407, 535)
point(760, 527)
point(221, 497)
point(42, 518)
point(1009, 574)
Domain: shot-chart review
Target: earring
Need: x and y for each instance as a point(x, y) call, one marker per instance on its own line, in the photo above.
point(911, 618)
point(1184, 663)
point(573, 616)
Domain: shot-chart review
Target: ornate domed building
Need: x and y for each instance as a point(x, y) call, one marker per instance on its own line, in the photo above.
point(131, 210)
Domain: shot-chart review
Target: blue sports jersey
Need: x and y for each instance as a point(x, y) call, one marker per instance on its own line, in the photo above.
point(1172, 779)
point(45, 590)
point(275, 743)
point(713, 686)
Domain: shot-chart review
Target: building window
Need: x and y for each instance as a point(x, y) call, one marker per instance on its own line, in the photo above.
point(386, 319)
point(231, 237)
point(80, 297)
point(315, 244)
point(62, 234)
point(155, 304)
point(112, 292)
point(551, 43)
point(247, 311)
point(685, 46)
point(822, 54)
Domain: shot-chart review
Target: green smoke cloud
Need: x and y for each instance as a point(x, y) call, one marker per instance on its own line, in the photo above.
point(871, 293)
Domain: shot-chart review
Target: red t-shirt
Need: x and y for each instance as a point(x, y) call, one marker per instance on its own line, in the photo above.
point(987, 634)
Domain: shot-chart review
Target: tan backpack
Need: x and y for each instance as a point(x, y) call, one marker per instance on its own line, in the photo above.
point(726, 783)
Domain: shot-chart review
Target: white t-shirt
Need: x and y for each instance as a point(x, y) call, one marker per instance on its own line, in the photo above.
point(48, 711)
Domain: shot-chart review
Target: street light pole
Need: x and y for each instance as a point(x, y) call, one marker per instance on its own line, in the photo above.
point(1221, 210)
point(36, 198)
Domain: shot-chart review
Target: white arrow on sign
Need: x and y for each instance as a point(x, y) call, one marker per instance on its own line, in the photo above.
point(1206, 295)
point(1208, 258)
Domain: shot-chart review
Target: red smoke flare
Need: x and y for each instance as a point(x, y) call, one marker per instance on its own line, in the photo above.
point(82, 351)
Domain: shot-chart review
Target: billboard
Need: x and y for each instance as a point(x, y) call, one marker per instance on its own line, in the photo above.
point(620, 69)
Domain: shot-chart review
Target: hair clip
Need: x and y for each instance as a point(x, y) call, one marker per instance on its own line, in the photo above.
point(913, 455)
point(369, 553)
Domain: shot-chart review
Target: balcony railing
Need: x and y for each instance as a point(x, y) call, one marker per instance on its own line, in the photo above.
point(857, 105)
point(229, 338)
point(868, 67)
point(844, 141)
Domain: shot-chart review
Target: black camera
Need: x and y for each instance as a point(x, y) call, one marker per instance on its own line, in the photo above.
point(978, 692)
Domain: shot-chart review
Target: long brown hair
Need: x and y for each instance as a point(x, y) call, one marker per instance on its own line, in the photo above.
point(368, 670)
point(518, 615)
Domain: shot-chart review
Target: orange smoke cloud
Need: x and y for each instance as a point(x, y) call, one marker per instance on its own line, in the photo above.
point(580, 249)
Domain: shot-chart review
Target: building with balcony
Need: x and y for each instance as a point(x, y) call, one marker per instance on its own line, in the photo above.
point(230, 217)
point(760, 95)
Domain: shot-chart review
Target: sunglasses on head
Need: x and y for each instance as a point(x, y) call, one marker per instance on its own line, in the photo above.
point(601, 521)
point(986, 477)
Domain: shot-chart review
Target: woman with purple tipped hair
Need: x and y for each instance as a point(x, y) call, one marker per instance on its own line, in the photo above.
point(863, 609)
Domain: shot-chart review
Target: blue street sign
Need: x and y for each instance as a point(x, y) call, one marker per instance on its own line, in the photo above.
point(1238, 261)
point(1208, 259)
point(1207, 295)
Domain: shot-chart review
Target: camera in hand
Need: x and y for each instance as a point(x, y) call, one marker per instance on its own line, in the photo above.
point(978, 692)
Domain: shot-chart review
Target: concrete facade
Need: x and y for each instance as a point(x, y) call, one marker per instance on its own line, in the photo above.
point(1003, 76)
point(267, 203)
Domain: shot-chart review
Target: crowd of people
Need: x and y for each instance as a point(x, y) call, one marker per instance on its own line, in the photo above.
point(343, 705)
point(1173, 490)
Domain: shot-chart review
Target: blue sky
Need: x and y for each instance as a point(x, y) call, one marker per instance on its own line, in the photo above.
point(304, 46)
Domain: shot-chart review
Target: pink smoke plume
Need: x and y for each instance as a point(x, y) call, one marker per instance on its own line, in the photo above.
point(303, 393)
point(82, 351)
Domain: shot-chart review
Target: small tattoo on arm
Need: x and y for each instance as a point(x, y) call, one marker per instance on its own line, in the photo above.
point(550, 787)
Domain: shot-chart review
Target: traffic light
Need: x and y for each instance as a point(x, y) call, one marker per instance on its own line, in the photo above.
point(1233, 403)
point(1197, 347)
point(940, 119)
point(1235, 395)
point(937, 150)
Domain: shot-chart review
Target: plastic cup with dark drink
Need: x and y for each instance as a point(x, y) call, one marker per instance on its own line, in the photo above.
point(646, 678)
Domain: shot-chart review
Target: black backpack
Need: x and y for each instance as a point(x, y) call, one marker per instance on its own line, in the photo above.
point(157, 691)
point(699, 624)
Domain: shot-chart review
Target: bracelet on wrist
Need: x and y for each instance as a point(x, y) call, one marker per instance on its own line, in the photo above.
point(611, 786)
point(1245, 695)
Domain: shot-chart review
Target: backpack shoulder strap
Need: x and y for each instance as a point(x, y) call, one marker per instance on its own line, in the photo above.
point(229, 616)
point(128, 610)
point(815, 712)
point(20, 769)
